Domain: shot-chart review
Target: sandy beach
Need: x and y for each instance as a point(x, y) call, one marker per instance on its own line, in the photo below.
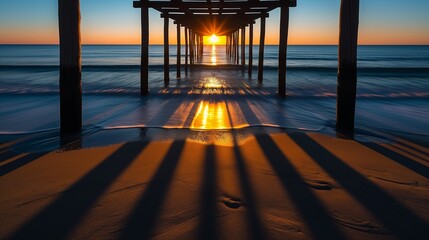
point(292, 185)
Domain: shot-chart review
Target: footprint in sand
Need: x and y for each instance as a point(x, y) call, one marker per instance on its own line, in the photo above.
point(233, 203)
point(319, 185)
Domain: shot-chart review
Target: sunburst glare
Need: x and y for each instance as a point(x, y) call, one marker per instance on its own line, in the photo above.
point(214, 39)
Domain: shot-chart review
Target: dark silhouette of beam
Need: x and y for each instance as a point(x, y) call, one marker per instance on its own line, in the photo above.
point(284, 29)
point(243, 46)
point(347, 72)
point(179, 54)
point(261, 51)
point(70, 66)
point(186, 50)
point(144, 61)
point(250, 64)
point(166, 53)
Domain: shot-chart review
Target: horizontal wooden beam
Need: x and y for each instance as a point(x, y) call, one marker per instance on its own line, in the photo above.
point(236, 4)
point(214, 24)
point(205, 17)
point(208, 11)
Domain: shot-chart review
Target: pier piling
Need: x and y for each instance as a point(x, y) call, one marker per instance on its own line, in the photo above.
point(250, 64)
point(178, 61)
point(166, 53)
point(347, 65)
point(284, 28)
point(243, 47)
point(70, 67)
point(261, 51)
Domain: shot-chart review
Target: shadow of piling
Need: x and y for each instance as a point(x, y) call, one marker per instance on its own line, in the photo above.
point(318, 220)
point(20, 162)
point(59, 218)
point(399, 158)
point(253, 217)
point(141, 222)
point(207, 229)
point(401, 222)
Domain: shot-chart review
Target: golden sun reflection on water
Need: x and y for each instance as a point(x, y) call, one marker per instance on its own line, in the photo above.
point(213, 55)
point(211, 116)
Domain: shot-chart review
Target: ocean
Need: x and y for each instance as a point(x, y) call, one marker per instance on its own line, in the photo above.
point(392, 91)
point(384, 71)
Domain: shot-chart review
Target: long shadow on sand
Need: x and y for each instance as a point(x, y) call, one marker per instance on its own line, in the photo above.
point(142, 220)
point(255, 225)
point(403, 223)
point(399, 158)
point(208, 198)
point(17, 163)
point(13, 149)
point(311, 209)
point(58, 219)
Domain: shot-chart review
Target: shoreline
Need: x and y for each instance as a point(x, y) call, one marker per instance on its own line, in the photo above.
point(95, 137)
point(236, 108)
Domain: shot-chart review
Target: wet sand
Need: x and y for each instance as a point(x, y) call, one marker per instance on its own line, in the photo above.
point(290, 185)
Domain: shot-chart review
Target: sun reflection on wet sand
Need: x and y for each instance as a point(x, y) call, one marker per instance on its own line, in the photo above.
point(213, 82)
point(211, 116)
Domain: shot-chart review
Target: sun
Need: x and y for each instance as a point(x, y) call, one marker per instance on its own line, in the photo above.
point(213, 39)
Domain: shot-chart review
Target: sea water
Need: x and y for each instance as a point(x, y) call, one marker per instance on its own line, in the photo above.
point(392, 90)
point(382, 70)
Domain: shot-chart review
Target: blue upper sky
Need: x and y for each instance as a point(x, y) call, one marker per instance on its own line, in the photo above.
point(312, 22)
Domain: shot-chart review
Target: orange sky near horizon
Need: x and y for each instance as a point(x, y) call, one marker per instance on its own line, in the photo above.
point(312, 22)
point(323, 36)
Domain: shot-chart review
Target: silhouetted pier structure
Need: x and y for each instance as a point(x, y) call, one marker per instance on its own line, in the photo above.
point(200, 18)
point(222, 18)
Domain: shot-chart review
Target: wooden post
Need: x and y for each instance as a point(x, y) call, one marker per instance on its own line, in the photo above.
point(261, 51)
point(347, 70)
point(144, 55)
point(229, 46)
point(195, 47)
point(226, 44)
point(191, 47)
point(237, 53)
point(232, 47)
point(70, 66)
point(284, 28)
point(186, 50)
point(243, 47)
point(250, 65)
point(178, 52)
point(166, 52)
point(201, 47)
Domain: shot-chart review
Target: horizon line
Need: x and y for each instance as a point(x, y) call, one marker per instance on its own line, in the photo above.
point(161, 44)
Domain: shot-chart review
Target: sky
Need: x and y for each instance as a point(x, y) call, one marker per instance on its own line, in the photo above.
point(311, 22)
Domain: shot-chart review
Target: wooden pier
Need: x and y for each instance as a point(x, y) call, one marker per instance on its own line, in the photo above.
point(200, 18)
point(221, 18)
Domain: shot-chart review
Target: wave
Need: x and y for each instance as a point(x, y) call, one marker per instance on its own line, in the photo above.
point(135, 68)
point(293, 93)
